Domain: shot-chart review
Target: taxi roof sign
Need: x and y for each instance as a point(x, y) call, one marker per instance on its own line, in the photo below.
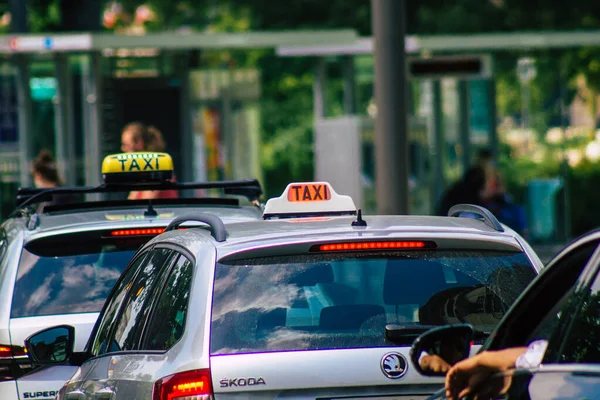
point(309, 199)
point(137, 167)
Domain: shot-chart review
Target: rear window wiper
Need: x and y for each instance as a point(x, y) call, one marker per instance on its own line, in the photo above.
point(406, 334)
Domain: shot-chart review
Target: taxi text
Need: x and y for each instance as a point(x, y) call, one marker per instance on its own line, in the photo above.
point(132, 164)
point(308, 192)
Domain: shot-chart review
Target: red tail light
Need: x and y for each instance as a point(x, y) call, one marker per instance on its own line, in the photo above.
point(188, 385)
point(137, 232)
point(376, 245)
point(12, 351)
point(14, 362)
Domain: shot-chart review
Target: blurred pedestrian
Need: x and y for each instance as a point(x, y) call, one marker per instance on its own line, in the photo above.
point(44, 171)
point(497, 199)
point(46, 176)
point(139, 137)
point(468, 190)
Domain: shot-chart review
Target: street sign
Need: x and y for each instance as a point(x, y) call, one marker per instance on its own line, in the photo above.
point(462, 67)
point(43, 88)
point(38, 43)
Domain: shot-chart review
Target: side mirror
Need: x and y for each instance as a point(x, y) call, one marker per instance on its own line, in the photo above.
point(51, 346)
point(435, 351)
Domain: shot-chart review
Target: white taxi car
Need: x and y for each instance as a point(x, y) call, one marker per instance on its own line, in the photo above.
point(59, 260)
point(314, 301)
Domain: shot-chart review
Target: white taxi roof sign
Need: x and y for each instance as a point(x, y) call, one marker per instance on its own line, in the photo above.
point(137, 167)
point(308, 199)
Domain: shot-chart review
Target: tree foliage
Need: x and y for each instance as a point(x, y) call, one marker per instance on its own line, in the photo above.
point(286, 104)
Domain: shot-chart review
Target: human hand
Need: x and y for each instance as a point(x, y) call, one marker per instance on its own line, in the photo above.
point(434, 363)
point(466, 378)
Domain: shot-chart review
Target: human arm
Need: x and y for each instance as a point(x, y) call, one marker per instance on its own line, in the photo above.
point(465, 378)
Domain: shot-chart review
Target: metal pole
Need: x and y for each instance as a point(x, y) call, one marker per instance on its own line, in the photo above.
point(439, 180)
point(391, 124)
point(64, 125)
point(92, 117)
point(18, 10)
point(25, 111)
point(349, 85)
point(227, 135)
point(493, 138)
point(565, 163)
point(464, 126)
point(319, 89)
point(187, 131)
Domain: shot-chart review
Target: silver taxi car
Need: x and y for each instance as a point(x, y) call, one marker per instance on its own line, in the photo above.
point(58, 262)
point(314, 301)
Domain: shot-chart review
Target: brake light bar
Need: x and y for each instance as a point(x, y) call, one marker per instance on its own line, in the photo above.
point(137, 232)
point(375, 245)
point(188, 385)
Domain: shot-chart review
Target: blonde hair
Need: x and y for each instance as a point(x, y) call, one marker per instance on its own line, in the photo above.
point(150, 136)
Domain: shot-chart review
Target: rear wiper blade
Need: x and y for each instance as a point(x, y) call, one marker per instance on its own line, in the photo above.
point(405, 334)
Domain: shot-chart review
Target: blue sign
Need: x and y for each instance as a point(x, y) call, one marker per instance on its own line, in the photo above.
point(43, 88)
point(48, 43)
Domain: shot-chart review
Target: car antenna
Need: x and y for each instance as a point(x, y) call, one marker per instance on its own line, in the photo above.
point(150, 212)
point(359, 221)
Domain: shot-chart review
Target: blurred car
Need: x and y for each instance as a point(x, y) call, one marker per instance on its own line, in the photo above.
point(314, 301)
point(59, 261)
point(561, 306)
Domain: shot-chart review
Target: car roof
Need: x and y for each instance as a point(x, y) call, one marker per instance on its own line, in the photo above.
point(76, 219)
point(251, 235)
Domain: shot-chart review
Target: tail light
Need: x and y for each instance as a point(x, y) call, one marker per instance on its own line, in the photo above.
point(14, 362)
point(188, 385)
point(12, 351)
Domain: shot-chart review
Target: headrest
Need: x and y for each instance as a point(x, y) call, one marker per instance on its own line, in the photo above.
point(316, 273)
point(350, 316)
point(412, 281)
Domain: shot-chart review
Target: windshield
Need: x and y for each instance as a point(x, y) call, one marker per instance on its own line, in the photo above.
point(69, 274)
point(332, 301)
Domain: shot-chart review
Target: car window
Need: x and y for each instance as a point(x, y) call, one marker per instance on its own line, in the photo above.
point(345, 300)
point(71, 274)
point(170, 313)
point(539, 312)
point(109, 314)
point(581, 341)
point(130, 322)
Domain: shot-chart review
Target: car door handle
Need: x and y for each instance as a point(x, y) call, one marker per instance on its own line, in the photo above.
point(75, 395)
point(104, 394)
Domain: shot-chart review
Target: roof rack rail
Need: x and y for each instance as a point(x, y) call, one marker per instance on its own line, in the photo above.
point(217, 227)
point(249, 188)
point(488, 218)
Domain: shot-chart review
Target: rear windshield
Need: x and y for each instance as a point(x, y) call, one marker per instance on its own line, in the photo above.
point(69, 274)
point(336, 301)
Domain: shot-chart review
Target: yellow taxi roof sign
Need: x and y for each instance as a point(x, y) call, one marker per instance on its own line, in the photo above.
point(309, 199)
point(137, 167)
